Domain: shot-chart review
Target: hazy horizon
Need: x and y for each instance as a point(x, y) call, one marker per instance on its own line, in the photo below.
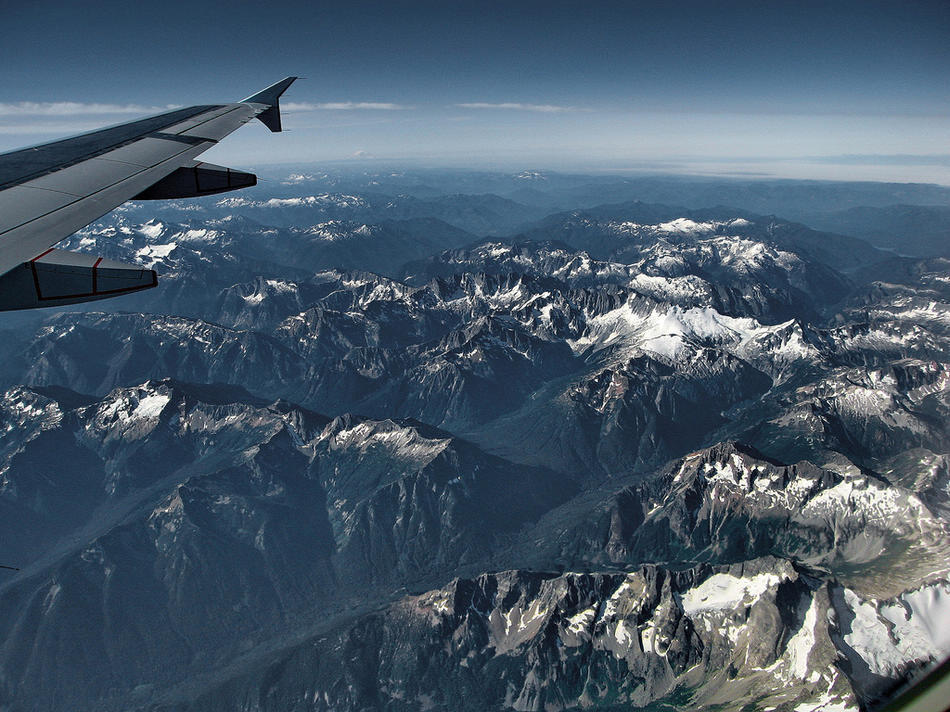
point(849, 91)
point(833, 169)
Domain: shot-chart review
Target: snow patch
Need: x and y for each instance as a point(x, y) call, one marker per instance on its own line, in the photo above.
point(151, 255)
point(913, 627)
point(151, 406)
point(152, 229)
point(685, 226)
point(725, 591)
point(800, 646)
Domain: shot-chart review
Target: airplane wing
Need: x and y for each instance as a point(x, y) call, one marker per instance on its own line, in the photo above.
point(48, 192)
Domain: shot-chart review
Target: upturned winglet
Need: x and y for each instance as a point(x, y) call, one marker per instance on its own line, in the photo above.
point(270, 96)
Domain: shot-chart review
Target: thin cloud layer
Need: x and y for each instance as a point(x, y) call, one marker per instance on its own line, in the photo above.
point(518, 106)
point(74, 108)
point(344, 106)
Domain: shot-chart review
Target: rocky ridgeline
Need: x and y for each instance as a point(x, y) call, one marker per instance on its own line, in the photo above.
point(761, 632)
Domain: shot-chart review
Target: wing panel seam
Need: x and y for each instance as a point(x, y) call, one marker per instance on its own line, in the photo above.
point(86, 197)
point(122, 163)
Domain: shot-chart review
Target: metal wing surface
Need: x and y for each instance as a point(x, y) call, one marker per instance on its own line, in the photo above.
point(48, 192)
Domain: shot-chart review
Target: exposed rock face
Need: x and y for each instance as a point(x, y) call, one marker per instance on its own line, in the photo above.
point(762, 632)
point(200, 520)
point(728, 503)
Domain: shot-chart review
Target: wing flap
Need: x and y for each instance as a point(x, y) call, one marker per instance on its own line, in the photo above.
point(60, 277)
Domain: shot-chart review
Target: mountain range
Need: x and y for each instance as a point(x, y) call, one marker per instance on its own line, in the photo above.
point(367, 449)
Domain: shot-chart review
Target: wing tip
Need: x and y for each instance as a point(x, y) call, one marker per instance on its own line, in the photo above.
point(270, 97)
point(271, 94)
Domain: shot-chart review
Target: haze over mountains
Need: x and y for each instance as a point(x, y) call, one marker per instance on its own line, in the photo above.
point(444, 440)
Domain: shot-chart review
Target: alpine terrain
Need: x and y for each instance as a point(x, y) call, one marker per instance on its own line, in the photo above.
point(410, 440)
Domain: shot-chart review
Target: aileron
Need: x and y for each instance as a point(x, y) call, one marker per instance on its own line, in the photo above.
point(220, 126)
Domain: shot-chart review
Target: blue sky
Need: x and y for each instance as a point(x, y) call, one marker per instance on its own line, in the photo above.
point(776, 88)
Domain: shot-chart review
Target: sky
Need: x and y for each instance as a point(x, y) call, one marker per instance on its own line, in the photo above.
point(849, 90)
